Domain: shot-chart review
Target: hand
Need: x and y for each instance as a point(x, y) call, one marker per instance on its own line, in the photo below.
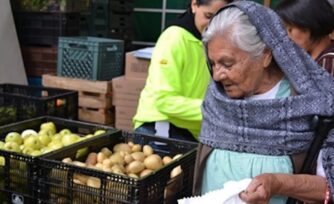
point(260, 190)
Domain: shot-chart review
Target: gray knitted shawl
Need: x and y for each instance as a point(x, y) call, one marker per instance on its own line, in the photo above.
point(277, 126)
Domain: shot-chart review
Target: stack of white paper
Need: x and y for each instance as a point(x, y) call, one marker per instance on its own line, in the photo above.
point(145, 53)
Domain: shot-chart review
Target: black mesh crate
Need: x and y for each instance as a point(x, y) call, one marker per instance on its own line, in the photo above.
point(18, 172)
point(121, 21)
point(84, 23)
point(20, 102)
point(117, 6)
point(51, 5)
point(43, 28)
point(57, 179)
point(125, 34)
point(108, 14)
point(121, 6)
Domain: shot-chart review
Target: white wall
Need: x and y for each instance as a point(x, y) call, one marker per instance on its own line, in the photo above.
point(11, 64)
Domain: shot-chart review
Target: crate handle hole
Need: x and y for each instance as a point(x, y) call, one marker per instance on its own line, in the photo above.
point(74, 45)
point(87, 93)
point(113, 48)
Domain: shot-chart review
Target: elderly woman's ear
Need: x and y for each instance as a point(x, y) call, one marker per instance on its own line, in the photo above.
point(267, 57)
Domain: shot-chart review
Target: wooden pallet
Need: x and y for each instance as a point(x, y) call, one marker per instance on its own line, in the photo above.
point(95, 97)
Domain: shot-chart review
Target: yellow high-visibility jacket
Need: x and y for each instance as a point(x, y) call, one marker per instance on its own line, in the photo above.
point(177, 81)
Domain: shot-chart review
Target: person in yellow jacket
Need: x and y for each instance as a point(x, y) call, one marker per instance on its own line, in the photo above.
point(170, 103)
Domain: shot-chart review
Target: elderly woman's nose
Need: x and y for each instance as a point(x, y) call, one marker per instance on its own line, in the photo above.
point(219, 75)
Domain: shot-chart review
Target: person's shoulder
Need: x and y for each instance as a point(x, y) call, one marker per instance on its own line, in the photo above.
point(328, 52)
point(328, 55)
point(177, 33)
point(326, 59)
point(175, 28)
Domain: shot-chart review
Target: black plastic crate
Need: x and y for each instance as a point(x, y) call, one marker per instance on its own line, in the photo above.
point(117, 6)
point(51, 5)
point(121, 6)
point(57, 186)
point(18, 176)
point(43, 28)
point(84, 24)
point(125, 34)
point(20, 102)
point(121, 21)
point(104, 14)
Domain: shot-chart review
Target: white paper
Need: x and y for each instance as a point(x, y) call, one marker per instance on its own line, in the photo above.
point(228, 195)
point(145, 53)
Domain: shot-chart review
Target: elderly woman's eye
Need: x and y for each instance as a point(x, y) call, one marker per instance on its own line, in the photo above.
point(227, 65)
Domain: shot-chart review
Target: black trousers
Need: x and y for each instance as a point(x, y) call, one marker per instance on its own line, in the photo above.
point(173, 132)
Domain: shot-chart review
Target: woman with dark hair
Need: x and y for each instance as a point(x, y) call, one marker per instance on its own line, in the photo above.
point(178, 77)
point(259, 111)
point(309, 24)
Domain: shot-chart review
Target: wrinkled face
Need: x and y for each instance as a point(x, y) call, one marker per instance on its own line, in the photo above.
point(235, 69)
point(302, 37)
point(203, 13)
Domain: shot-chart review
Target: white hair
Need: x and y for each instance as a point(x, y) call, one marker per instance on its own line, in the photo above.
point(235, 23)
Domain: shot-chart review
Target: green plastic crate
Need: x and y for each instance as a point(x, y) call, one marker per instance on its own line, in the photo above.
point(90, 58)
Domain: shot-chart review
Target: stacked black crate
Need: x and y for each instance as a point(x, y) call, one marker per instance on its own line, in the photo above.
point(112, 19)
point(122, 21)
point(38, 25)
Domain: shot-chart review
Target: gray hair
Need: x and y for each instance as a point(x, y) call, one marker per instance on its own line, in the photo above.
point(239, 30)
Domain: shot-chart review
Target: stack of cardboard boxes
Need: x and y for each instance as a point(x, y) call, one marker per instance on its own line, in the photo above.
point(127, 89)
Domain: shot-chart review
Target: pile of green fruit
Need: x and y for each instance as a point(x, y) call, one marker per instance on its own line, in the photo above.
point(7, 114)
point(46, 140)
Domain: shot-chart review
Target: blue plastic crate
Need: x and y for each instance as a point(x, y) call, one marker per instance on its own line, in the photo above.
point(90, 58)
point(35, 81)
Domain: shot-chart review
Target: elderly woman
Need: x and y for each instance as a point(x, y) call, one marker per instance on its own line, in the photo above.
point(259, 109)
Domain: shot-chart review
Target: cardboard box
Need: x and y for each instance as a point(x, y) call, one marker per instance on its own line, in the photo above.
point(136, 67)
point(127, 100)
point(125, 113)
point(126, 96)
point(126, 85)
point(126, 92)
point(124, 127)
point(124, 124)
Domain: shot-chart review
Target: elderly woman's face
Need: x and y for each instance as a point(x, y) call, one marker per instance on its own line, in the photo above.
point(238, 73)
